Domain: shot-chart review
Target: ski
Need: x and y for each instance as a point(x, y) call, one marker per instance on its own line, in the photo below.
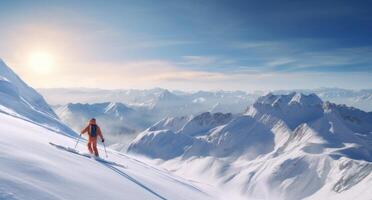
point(76, 152)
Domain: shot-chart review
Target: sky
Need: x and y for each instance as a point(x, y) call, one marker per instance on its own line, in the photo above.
point(189, 45)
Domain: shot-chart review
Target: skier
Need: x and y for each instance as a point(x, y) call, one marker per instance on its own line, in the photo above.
point(93, 131)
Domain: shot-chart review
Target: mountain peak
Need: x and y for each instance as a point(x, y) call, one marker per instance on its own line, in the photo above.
point(174, 124)
point(289, 99)
point(99, 108)
point(205, 121)
point(303, 99)
point(294, 108)
point(115, 106)
point(166, 95)
point(20, 100)
point(14, 87)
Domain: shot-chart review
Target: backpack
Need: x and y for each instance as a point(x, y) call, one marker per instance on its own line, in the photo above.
point(93, 130)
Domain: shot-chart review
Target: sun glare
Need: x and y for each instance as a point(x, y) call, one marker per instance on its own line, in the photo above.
point(41, 62)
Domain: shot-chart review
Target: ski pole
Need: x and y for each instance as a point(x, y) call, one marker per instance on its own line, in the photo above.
point(104, 146)
point(77, 141)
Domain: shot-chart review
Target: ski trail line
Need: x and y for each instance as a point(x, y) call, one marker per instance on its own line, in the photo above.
point(125, 175)
point(111, 166)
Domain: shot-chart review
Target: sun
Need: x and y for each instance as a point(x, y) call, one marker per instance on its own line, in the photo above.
point(41, 62)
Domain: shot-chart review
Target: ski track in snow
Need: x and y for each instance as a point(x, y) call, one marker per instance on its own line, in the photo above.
point(123, 174)
point(41, 165)
point(110, 165)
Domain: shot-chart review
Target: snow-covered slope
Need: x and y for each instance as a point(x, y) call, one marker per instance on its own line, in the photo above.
point(180, 136)
point(32, 168)
point(293, 109)
point(171, 123)
point(20, 100)
point(291, 146)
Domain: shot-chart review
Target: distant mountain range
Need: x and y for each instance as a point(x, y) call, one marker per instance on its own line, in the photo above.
point(130, 112)
point(196, 102)
point(361, 99)
point(296, 146)
point(125, 113)
point(156, 99)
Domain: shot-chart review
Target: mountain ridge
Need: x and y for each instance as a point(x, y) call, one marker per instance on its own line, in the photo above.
point(295, 145)
point(22, 101)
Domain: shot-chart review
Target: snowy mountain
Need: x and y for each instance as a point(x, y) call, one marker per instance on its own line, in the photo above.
point(142, 108)
point(166, 103)
point(150, 106)
point(293, 109)
point(201, 101)
point(32, 168)
point(361, 99)
point(292, 146)
point(171, 123)
point(20, 100)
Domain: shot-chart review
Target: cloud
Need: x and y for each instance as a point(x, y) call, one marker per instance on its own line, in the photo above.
point(188, 76)
point(199, 60)
point(338, 60)
point(206, 61)
point(159, 70)
point(280, 61)
point(303, 55)
point(133, 74)
point(162, 73)
point(155, 43)
point(256, 44)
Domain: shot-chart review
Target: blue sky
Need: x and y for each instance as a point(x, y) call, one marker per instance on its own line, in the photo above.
point(232, 45)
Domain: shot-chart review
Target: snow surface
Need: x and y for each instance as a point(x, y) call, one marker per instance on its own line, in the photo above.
point(171, 123)
point(20, 100)
point(291, 147)
point(31, 168)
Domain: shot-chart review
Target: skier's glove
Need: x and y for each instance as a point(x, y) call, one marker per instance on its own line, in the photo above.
point(103, 140)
